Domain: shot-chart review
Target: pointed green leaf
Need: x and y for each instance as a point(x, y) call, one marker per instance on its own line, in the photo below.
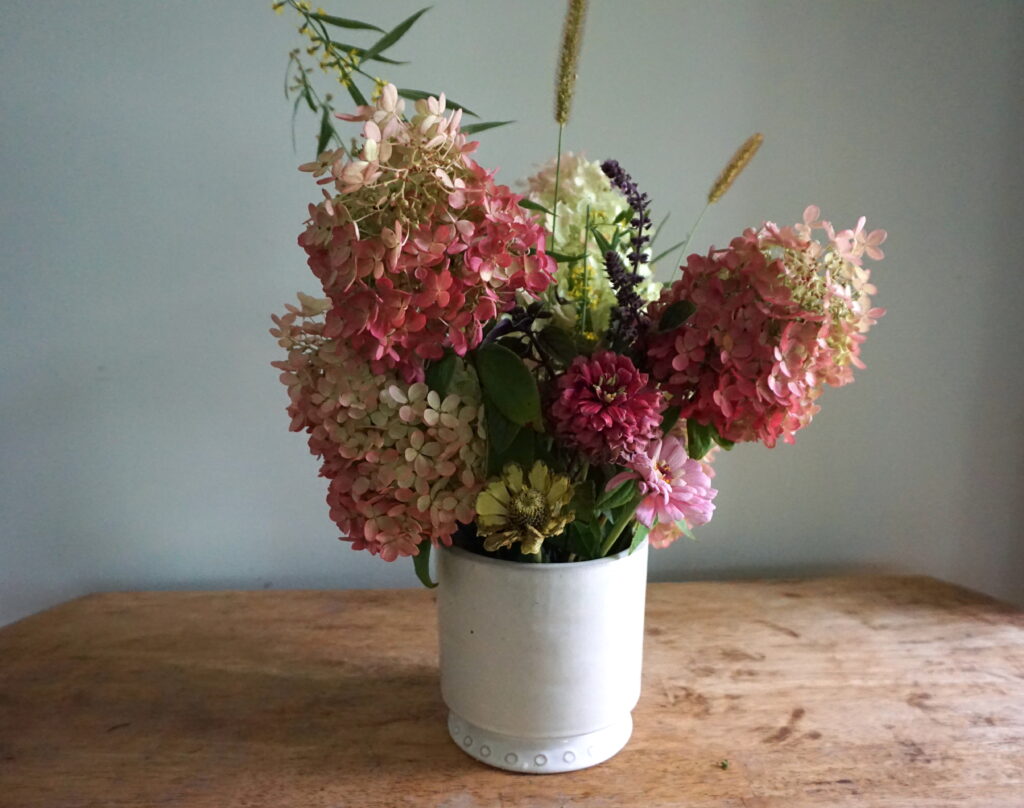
point(341, 22)
point(669, 419)
point(357, 96)
point(500, 430)
point(421, 563)
point(657, 230)
point(326, 130)
point(361, 53)
point(473, 128)
point(675, 315)
point(698, 439)
point(440, 372)
point(526, 203)
point(562, 258)
point(417, 95)
point(665, 252)
point(640, 532)
point(558, 343)
point(617, 497)
point(508, 383)
point(603, 243)
point(725, 444)
point(395, 34)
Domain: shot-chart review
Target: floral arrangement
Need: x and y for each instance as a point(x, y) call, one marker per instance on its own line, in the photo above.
point(501, 370)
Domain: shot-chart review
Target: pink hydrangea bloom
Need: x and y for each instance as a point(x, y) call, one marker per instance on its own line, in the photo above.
point(677, 488)
point(419, 247)
point(404, 464)
point(779, 316)
point(605, 408)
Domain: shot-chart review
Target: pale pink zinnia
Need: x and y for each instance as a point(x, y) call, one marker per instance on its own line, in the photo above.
point(605, 408)
point(676, 487)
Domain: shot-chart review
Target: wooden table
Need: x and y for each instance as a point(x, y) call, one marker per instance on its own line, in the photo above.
point(872, 691)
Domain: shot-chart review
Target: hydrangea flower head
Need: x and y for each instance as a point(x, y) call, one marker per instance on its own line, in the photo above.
point(418, 247)
point(404, 464)
point(582, 185)
point(779, 316)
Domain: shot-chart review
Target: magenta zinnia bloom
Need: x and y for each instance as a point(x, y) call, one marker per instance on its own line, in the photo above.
point(677, 487)
point(605, 408)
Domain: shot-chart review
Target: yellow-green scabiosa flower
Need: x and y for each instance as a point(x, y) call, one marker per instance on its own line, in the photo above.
point(527, 510)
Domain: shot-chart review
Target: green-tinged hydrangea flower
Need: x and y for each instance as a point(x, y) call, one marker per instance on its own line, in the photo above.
point(513, 509)
point(582, 185)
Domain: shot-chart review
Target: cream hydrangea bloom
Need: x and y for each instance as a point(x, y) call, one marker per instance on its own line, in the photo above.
point(583, 184)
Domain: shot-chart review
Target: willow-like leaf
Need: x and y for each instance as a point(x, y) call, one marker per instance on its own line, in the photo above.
point(395, 34)
point(342, 22)
point(417, 95)
point(473, 128)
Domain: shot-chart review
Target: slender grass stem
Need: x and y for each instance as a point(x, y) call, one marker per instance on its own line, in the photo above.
point(554, 205)
point(693, 230)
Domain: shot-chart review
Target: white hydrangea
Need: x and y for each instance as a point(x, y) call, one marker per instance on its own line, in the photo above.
point(582, 185)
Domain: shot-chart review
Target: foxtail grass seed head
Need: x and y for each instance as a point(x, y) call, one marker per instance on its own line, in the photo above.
point(568, 58)
point(744, 154)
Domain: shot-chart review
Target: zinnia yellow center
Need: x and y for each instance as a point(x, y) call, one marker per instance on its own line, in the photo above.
point(527, 508)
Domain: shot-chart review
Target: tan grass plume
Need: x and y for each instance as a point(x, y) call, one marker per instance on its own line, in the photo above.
point(568, 58)
point(744, 154)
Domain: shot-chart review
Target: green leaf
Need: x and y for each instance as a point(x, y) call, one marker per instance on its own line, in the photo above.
point(657, 230)
point(624, 216)
point(395, 34)
point(669, 419)
point(675, 315)
point(417, 95)
point(357, 96)
point(725, 444)
point(558, 343)
point(663, 253)
point(698, 439)
point(640, 532)
point(582, 503)
point(500, 430)
point(617, 497)
point(526, 203)
point(439, 373)
point(421, 563)
point(603, 243)
point(585, 539)
point(341, 22)
point(361, 53)
point(562, 258)
point(508, 383)
point(326, 130)
point(473, 128)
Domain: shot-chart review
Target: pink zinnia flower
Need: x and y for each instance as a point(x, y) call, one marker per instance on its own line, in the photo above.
point(605, 408)
point(676, 487)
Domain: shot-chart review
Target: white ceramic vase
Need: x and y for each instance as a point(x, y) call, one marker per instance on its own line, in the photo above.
point(540, 663)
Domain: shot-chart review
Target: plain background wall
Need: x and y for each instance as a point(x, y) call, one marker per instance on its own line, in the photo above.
point(150, 206)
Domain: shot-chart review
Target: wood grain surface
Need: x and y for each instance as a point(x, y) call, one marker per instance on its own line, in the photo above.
point(871, 691)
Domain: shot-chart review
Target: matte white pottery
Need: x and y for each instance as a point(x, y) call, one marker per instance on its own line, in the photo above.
point(540, 663)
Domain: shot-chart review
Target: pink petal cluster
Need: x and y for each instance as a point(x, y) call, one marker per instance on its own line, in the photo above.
point(677, 488)
point(779, 315)
point(404, 464)
point(419, 247)
point(605, 408)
